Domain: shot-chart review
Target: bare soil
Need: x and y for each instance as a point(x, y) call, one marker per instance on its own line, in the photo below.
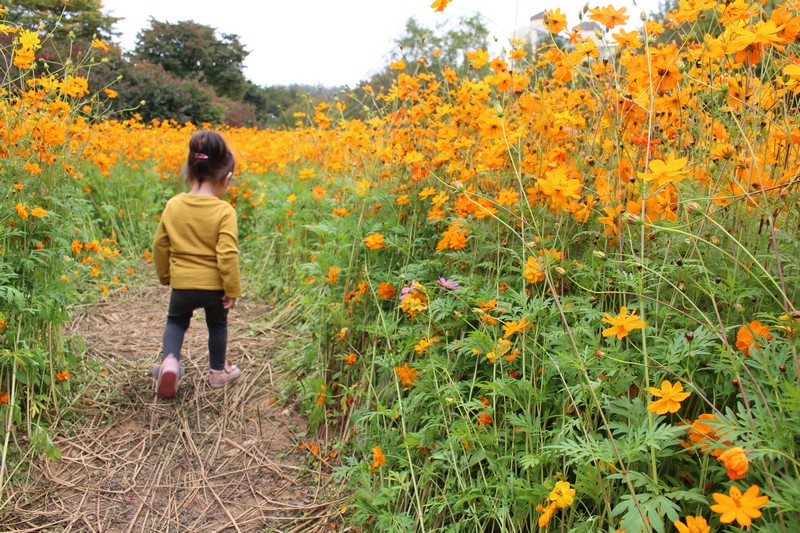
point(209, 460)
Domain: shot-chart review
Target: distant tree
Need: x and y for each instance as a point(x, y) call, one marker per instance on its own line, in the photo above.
point(421, 48)
point(152, 92)
point(194, 51)
point(441, 46)
point(68, 20)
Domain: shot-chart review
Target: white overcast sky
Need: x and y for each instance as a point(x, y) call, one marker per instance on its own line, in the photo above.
point(333, 42)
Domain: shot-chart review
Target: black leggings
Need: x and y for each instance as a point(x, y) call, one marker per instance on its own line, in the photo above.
point(182, 303)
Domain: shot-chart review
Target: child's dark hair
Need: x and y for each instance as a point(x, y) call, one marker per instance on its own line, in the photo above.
point(210, 158)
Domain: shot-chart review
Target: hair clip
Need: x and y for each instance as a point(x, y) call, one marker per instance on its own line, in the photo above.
point(200, 156)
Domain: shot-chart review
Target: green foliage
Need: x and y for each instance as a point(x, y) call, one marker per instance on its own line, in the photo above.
point(443, 45)
point(81, 20)
point(192, 51)
point(153, 93)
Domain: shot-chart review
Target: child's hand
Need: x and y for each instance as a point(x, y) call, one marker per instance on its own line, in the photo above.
point(228, 303)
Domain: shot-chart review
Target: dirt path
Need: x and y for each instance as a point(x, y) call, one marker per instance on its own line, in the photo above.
point(210, 460)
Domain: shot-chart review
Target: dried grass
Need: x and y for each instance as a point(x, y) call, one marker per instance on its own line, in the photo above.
point(210, 460)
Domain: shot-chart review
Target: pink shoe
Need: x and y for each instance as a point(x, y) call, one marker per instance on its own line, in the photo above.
point(168, 376)
point(219, 378)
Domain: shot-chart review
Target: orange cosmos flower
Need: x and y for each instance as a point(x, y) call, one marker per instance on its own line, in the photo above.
point(439, 5)
point(735, 462)
point(23, 58)
point(629, 39)
point(740, 507)
point(453, 238)
point(33, 168)
point(39, 212)
point(512, 327)
point(507, 197)
point(671, 398)
point(622, 324)
point(703, 434)
point(533, 269)
point(351, 359)
point(555, 21)
point(559, 187)
point(333, 273)
point(22, 210)
point(318, 193)
point(485, 419)
point(422, 345)
point(694, 524)
point(547, 514)
point(374, 241)
point(64, 375)
point(611, 220)
point(378, 459)
point(406, 374)
point(386, 290)
point(609, 16)
point(747, 334)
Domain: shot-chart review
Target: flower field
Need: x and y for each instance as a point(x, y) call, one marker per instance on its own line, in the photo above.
point(555, 291)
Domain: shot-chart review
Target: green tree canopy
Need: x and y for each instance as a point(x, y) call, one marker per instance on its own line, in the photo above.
point(450, 44)
point(81, 20)
point(193, 51)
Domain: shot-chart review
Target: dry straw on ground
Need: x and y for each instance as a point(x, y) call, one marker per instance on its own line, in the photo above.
point(210, 460)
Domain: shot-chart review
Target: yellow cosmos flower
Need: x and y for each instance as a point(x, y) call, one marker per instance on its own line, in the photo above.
point(562, 495)
point(29, 40)
point(671, 398)
point(100, 44)
point(74, 86)
point(622, 324)
point(662, 172)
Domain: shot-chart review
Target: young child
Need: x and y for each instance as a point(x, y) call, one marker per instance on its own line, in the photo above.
point(196, 252)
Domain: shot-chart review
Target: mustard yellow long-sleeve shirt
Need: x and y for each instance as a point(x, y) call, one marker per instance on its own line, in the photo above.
point(196, 245)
